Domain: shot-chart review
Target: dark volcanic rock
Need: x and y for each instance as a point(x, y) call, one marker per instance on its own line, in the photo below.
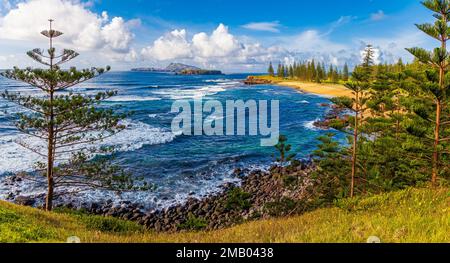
point(214, 211)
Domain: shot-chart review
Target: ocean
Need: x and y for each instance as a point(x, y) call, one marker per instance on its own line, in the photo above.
point(180, 166)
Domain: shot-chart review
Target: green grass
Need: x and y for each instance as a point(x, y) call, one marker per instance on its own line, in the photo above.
point(412, 215)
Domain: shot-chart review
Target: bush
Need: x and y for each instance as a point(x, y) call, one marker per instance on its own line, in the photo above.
point(193, 223)
point(290, 180)
point(238, 199)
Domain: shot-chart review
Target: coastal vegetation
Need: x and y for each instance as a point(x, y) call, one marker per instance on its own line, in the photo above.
point(404, 134)
point(310, 71)
point(410, 215)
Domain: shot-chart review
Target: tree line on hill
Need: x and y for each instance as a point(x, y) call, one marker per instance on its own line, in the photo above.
point(310, 71)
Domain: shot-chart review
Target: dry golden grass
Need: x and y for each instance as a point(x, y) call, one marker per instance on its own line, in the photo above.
point(412, 215)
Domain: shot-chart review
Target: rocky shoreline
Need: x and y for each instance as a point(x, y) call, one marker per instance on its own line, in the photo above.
point(259, 195)
point(335, 113)
point(251, 80)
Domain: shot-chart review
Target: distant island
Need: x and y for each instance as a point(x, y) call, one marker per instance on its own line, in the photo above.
point(180, 69)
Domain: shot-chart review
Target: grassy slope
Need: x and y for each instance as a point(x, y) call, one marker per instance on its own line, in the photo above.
point(412, 215)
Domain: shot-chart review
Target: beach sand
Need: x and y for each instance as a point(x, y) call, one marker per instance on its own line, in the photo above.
point(329, 90)
point(323, 89)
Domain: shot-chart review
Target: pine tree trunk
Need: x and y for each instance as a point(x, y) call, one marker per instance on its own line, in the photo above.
point(49, 197)
point(50, 154)
point(354, 153)
point(435, 170)
point(50, 159)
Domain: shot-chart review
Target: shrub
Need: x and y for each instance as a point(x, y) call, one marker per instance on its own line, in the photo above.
point(238, 199)
point(290, 180)
point(193, 223)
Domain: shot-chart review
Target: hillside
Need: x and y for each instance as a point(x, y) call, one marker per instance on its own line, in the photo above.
point(412, 215)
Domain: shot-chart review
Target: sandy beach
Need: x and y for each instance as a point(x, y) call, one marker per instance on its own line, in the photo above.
point(323, 89)
point(329, 90)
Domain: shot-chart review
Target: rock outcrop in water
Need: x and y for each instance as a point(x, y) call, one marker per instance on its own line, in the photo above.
point(251, 80)
point(180, 69)
point(200, 72)
point(335, 113)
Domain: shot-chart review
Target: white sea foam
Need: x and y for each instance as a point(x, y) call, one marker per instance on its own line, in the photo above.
point(131, 98)
point(15, 158)
point(310, 125)
point(216, 80)
point(193, 93)
point(170, 192)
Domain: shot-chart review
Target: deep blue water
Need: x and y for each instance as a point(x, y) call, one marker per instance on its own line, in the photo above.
point(179, 165)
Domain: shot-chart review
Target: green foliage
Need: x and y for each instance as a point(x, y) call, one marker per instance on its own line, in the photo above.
point(310, 71)
point(271, 70)
point(283, 149)
point(193, 223)
point(433, 84)
point(289, 180)
point(333, 166)
point(238, 199)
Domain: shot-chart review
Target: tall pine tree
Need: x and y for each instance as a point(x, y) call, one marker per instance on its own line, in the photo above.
point(436, 85)
point(67, 124)
point(345, 73)
point(270, 70)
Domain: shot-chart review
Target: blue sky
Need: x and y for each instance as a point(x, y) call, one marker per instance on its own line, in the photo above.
point(236, 36)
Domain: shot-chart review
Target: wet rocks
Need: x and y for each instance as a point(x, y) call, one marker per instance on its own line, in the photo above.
point(213, 211)
point(335, 113)
point(236, 203)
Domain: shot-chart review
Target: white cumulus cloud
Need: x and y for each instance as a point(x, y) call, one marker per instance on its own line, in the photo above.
point(220, 44)
point(173, 45)
point(202, 47)
point(83, 29)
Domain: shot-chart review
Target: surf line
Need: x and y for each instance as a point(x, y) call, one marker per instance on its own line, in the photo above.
point(190, 120)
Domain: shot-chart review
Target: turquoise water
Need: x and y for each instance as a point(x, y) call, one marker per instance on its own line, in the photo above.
point(179, 165)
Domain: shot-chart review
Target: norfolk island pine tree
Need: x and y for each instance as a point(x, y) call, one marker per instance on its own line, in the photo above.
point(68, 125)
